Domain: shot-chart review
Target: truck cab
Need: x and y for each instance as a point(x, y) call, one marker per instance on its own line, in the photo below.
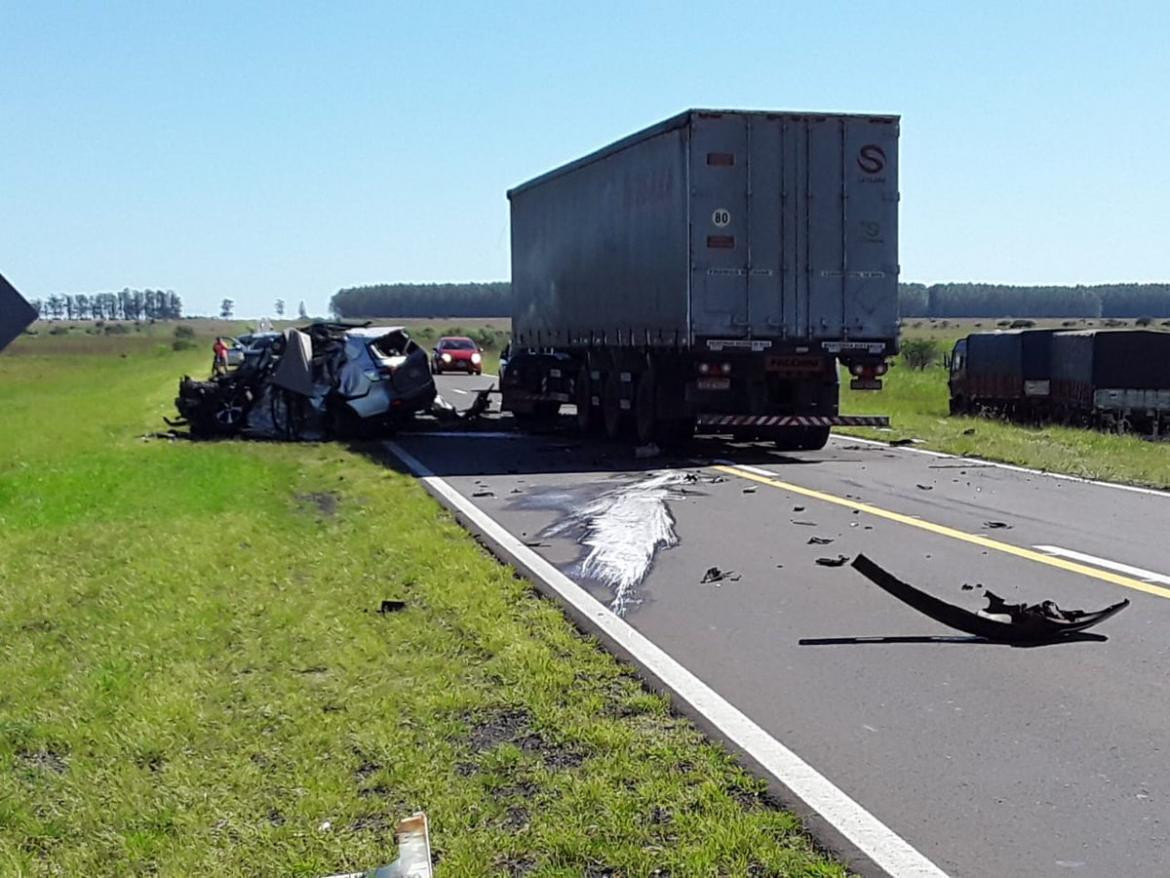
point(957, 380)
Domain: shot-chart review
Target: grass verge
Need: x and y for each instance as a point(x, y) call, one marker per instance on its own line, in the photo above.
point(195, 677)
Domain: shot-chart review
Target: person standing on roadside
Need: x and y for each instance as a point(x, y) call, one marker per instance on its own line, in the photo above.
point(219, 362)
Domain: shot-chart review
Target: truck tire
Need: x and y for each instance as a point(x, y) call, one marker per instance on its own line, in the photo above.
point(611, 405)
point(676, 431)
point(645, 416)
point(587, 418)
point(801, 438)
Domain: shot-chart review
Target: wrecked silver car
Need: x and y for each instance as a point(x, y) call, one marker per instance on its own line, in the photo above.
point(325, 379)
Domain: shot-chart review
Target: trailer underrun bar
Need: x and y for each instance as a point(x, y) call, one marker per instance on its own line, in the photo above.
point(793, 421)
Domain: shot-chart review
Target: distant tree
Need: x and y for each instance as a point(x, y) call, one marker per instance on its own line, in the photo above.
point(278, 307)
point(304, 314)
point(918, 353)
point(424, 300)
point(55, 305)
point(226, 308)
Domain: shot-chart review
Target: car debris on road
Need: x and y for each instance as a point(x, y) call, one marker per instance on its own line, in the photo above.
point(715, 575)
point(1000, 621)
point(839, 561)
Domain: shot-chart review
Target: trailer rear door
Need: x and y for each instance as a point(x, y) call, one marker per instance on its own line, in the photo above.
point(794, 226)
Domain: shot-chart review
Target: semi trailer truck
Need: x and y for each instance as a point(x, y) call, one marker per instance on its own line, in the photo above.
point(1112, 379)
point(709, 274)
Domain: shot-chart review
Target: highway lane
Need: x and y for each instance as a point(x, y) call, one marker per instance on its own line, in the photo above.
point(990, 760)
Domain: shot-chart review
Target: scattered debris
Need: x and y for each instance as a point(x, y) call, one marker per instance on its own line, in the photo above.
point(391, 606)
point(803, 523)
point(483, 494)
point(925, 487)
point(643, 452)
point(898, 443)
point(970, 431)
point(966, 586)
point(414, 852)
point(997, 525)
point(819, 541)
point(798, 509)
point(999, 621)
point(750, 489)
point(839, 561)
point(536, 544)
point(714, 574)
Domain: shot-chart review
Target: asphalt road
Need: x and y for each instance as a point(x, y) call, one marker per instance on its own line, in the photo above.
point(990, 760)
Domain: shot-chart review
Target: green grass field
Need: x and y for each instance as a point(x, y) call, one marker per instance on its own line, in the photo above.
point(195, 678)
point(917, 404)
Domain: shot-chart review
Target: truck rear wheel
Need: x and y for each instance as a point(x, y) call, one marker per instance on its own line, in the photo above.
point(801, 438)
point(645, 417)
point(611, 405)
point(583, 395)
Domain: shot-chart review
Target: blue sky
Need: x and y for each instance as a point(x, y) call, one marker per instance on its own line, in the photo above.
point(257, 151)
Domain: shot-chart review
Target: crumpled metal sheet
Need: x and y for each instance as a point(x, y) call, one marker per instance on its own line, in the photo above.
point(294, 372)
point(414, 852)
point(1000, 621)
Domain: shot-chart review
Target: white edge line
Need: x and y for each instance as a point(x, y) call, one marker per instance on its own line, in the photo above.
point(979, 461)
point(1138, 572)
point(872, 838)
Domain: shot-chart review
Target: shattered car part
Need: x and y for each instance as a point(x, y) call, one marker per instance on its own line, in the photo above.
point(839, 561)
point(414, 852)
point(1000, 621)
point(714, 574)
point(447, 413)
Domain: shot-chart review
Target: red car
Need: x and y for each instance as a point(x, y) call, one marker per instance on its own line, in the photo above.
point(455, 353)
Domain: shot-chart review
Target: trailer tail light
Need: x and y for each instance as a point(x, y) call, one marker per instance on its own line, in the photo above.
point(721, 242)
point(714, 368)
point(721, 159)
point(865, 374)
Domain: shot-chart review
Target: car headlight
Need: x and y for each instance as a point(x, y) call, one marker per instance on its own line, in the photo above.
point(446, 358)
point(476, 359)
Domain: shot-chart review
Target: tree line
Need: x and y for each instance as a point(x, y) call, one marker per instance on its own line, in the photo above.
point(125, 305)
point(492, 299)
point(1002, 300)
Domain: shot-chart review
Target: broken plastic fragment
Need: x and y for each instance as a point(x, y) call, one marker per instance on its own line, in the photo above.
point(414, 853)
point(1002, 622)
point(833, 562)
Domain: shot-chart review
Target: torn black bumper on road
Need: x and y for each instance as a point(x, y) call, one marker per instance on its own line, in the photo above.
point(1000, 621)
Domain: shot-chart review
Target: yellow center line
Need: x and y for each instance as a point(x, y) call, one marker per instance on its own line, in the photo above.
point(943, 530)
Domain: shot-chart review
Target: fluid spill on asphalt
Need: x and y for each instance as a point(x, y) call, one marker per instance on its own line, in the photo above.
point(621, 528)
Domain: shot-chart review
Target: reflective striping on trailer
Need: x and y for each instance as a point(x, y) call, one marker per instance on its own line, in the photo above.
point(793, 421)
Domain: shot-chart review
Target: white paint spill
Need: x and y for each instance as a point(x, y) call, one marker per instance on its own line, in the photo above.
point(623, 529)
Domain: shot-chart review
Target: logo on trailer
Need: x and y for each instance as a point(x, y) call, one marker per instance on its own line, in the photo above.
point(871, 158)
